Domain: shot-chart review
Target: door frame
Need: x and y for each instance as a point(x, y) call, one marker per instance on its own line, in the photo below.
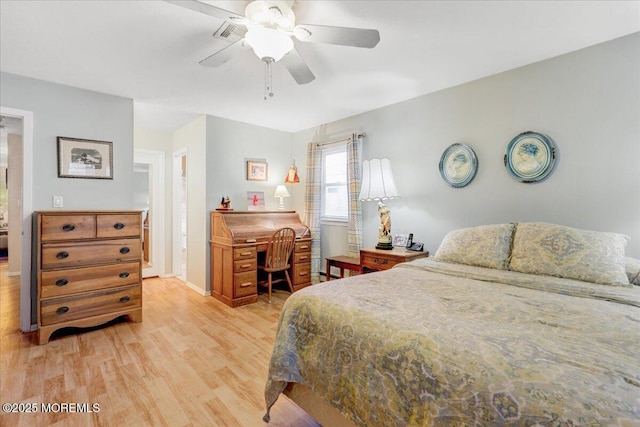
point(27, 209)
point(177, 226)
point(155, 159)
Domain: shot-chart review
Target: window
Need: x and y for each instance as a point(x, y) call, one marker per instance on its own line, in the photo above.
point(335, 202)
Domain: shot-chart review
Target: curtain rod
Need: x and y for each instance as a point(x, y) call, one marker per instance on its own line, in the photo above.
point(336, 141)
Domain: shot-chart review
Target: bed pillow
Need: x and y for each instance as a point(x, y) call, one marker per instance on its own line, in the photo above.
point(482, 246)
point(555, 250)
point(632, 266)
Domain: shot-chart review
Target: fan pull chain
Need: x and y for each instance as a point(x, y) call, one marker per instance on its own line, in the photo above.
point(268, 77)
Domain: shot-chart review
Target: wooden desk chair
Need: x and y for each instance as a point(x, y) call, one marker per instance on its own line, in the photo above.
point(279, 251)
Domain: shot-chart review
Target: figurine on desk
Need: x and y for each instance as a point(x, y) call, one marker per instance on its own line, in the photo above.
point(225, 204)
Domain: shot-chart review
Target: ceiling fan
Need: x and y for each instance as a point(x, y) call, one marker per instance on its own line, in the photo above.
point(268, 28)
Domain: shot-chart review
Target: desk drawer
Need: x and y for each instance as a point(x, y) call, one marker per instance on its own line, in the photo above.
point(85, 305)
point(245, 265)
point(59, 255)
point(303, 257)
point(67, 227)
point(301, 273)
point(245, 284)
point(58, 283)
point(304, 246)
point(244, 253)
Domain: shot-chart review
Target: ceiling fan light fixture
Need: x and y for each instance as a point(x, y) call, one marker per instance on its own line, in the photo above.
point(268, 43)
point(271, 13)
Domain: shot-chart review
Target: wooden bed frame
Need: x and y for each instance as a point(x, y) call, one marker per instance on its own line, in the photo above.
point(315, 406)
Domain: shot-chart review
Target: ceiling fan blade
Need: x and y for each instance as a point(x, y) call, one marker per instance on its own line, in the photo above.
point(208, 9)
point(225, 54)
point(297, 67)
point(358, 37)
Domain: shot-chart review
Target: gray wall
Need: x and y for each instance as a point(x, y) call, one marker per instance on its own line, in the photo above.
point(67, 111)
point(587, 101)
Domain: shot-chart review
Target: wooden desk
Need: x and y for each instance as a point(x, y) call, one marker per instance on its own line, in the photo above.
point(237, 240)
point(372, 259)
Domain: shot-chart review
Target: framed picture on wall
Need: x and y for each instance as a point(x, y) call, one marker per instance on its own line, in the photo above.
point(84, 158)
point(256, 170)
point(255, 200)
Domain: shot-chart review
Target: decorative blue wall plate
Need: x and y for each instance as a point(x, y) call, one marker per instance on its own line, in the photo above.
point(530, 157)
point(458, 165)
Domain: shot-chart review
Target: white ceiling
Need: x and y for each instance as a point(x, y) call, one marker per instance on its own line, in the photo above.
point(149, 51)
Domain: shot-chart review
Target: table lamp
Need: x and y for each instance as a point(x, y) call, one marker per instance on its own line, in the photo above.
point(378, 184)
point(281, 191)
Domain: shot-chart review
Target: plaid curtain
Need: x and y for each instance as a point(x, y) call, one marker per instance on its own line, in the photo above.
point(312, 205)
point(354, 160)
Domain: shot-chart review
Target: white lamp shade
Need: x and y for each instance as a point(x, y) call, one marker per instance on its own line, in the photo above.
point(271, 13)
point(268, 43)
point(377, 180)
point(281, 191)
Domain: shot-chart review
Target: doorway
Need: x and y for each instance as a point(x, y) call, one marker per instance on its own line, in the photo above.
point(23, 222)
point(180, 214)
point(149, 197)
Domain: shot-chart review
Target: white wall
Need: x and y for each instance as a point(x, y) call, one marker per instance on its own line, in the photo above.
point(193, 137)
point(14, 144)
point(587, 101)
point(60, 110)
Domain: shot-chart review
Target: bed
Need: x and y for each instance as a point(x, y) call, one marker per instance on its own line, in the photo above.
point(508, 324)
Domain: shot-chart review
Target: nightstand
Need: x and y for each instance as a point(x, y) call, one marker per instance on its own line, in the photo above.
point(372, 259)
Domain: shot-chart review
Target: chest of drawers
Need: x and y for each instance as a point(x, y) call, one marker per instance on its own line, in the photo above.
point(87, 267)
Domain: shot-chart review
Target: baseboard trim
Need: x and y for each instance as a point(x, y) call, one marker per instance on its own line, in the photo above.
point(198, 289)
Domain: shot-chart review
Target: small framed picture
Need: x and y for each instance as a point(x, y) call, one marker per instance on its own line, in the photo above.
point(84, 158)
point(256, 170)
point(401, 240)
point(255, 200)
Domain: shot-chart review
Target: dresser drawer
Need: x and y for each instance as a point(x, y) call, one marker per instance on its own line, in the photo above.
point(374, 262)
point(118, 225)
point(303, 246)
point(245, 284)
point(67, 227)
point(65, 282)
point(244, 253)
point(59, 255)
point(85, 305)
point(245, 265)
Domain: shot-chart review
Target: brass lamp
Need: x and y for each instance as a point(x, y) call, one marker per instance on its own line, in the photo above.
point(378, 184)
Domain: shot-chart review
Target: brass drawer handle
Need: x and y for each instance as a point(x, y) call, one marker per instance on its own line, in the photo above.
point(303, 273)
point(62, 310)
point(118, 226)
point(250, 240)
point(68, 227)
point(245, 253)
point(245, 266)
point(62, 255)
point(380, 261)
point(247, 284)
point(123, 275)
point(124, 250)
point(304, 247)
point(125, 299)
point(302, 258)
point(61, 282)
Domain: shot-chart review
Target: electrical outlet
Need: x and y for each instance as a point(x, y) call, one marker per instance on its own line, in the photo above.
point(57, 201)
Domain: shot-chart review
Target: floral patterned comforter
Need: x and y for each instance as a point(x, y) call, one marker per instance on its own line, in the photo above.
point(430, 343)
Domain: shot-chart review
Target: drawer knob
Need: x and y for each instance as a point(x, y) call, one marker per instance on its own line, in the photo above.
point(246, 284)
point(62, 310)
point(118, 226)
point(62, 255)
point(68, 227)
point(125, 299)
point(124, 250)
point(62, 282)
point(124, 275)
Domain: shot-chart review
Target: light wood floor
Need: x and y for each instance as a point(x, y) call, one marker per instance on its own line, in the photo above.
point(193, 361)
